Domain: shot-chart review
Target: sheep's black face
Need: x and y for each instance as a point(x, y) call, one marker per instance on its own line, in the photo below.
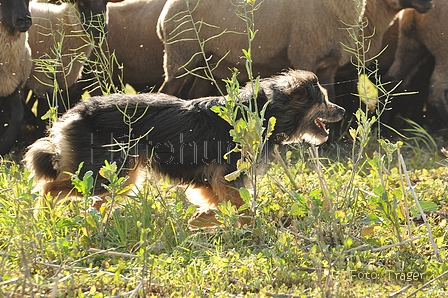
point(15, 14)
point(92, 15)
point(421, 6)
point(302, 109)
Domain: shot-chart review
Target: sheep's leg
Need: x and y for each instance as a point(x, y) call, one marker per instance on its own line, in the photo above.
point(42, 104)
point(412, 105)
point(34, 126)
point(408, 54)
point(179, 87)
point(201, 88)
point(87, 82)
point(12, 133)
point(438, 94)
point(36, 120)
point(178, 81)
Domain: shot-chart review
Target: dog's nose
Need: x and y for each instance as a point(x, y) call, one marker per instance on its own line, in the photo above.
point(338, 112)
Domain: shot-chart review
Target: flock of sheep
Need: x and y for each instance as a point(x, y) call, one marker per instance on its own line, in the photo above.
point(156, 42)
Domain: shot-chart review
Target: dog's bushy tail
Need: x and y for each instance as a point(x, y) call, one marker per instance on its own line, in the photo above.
point(41, 159)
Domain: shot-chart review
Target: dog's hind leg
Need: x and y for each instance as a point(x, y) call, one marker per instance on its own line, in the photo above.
point(58, 190)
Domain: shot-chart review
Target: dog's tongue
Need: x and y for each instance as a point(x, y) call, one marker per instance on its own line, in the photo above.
point(320, 124)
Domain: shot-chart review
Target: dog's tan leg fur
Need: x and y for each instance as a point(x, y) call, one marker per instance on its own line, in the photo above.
point(60, 189)
point(221, 191)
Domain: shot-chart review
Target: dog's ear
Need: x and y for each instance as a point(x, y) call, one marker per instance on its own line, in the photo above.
point(298, 98)
point(262, 96)
point(298, 92)
point(297, 87)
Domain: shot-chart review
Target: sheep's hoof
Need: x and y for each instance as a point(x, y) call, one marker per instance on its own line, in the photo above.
point(204, 219)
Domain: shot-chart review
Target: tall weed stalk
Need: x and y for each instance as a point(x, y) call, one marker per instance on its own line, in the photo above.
point(390, 202)
point(250, 129)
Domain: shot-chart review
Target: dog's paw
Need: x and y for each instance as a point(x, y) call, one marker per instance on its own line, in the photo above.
point(204, 219)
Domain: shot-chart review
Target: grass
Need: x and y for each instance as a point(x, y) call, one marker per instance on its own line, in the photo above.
point(143, 246)
point(350, 219)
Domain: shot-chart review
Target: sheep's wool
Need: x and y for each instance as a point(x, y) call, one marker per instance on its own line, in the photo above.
point(15, 61)
point(56, 35)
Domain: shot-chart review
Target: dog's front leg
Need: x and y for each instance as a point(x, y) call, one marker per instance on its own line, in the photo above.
point(209, 197)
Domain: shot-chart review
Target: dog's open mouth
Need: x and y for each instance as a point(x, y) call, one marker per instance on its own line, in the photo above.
point(317, 131)
point(320, 122)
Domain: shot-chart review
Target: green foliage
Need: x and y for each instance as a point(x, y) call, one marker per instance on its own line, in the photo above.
point(250, 130)
point(117, 184)
point(84, 185)
point(143, 244)
point(348, 228)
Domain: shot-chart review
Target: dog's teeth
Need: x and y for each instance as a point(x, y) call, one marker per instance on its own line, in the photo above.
point(321, 124)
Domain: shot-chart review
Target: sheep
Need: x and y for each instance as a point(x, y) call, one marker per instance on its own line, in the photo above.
point(381, 32)
point(382, 28)
point(388, 47)
point(380, 16)
point(274, 48)
point(91, 13)
point(53, 25)
point(295, 41)
point(132, 35)
point(62, 40)
point(15, 66)
point(132, 38)
point(420, 34)
point(406, 106)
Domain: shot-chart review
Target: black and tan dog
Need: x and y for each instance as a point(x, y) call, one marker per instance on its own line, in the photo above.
point(183, 140)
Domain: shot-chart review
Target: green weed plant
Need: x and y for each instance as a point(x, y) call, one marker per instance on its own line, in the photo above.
point(371, 222)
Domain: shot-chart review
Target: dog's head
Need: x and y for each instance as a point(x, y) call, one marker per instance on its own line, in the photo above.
point(300, 105)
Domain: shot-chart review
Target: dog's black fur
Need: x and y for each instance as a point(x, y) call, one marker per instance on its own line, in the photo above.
point(183, 140)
